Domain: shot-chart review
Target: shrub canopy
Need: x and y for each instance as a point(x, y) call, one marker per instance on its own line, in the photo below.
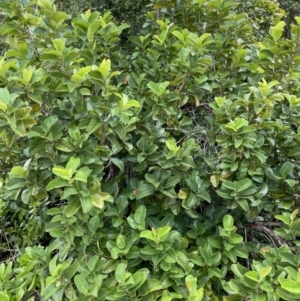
point(167, 172)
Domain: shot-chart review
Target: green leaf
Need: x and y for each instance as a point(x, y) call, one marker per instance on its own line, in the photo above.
point(294, 152)
point(4, 96)
point(291, 286)
point(215, 241)
point(69, 191)
point(93, 27)
point(235, 238)
point(86, 203)
point(149, 286)
point(140, 214)
point(286, 169)
point(228, 223)
point(170, 193)
point(19, 172)
point(256, 296)
point(191, 201)
point(82, 174)
point(171, 145)
point(70, 271)
point(57, 183)
point(171, 182)
point(59, 17)
point(3, 106)
point(238, 270)
point(27, 74)
point(243, 184)
point(99, 198)
point(81, 284)
point(240, 122)
point(110, 266)
point(290, 182)
point(93, 262)
point(204, 195)
point(48, 123)
point(120, 272)
point(61, 172)
point(285, 295)
point(93, 223)
point(163, 233)
point(239, 288)
point(253, 275)
point(104, 67)
point(148, 234)
point(265, 272)
point(229, 185)
point(143, 144)
point(119, 163)
point(120, 241)
point(72, 208)
point(191, 283)
point(50, 291)
point(144, 190)
point(244, 204)
point(154, 88)
point(94, 124)
point(276, 31)
point(72, 165)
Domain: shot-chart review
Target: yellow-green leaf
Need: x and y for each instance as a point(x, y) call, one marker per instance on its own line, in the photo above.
point(104, 67)
point(182, 194)
point(61, 172)
point(265, 271)
point(99, 198)
point(3, 106)
point(214, 180)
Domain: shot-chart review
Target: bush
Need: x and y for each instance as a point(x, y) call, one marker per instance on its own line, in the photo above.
point(170, 173)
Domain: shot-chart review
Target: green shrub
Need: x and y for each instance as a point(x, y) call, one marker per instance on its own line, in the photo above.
point(170, 173)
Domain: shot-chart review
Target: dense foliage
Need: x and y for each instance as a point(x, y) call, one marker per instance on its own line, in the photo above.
point(168, 172)
point(122, 10)
point(292, 9)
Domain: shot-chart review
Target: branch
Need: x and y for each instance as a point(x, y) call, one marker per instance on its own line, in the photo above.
point(263, 226)
point(268, 224)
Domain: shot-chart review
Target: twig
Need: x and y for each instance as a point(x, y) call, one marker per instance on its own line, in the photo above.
point(267, 224)
point(262, 226)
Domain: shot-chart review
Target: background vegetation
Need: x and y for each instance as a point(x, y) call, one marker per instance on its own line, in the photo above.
point(153, 162)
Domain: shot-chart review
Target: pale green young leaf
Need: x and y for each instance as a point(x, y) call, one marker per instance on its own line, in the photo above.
point(291, 286)
point(148, 234)
point(61, 172)
point(171, 145)
point(105, 67)
point(162, 233)
point(72, 165)
point(277, 30)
